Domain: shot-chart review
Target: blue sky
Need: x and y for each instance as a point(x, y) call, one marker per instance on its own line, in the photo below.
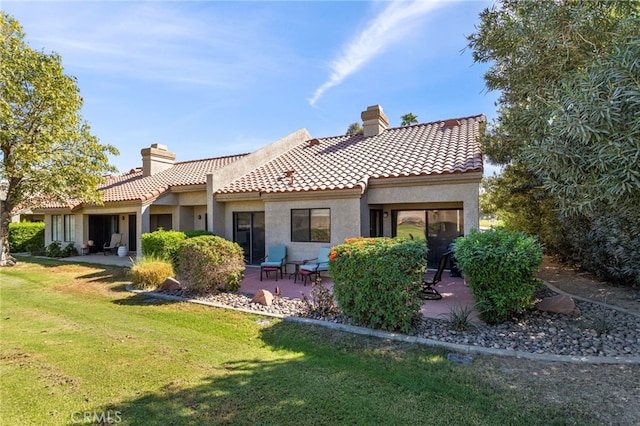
point(214, 78)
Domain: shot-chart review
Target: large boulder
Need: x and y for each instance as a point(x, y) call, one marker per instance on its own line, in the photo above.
point(559, 304)
point(170, 284)
point(263, 297)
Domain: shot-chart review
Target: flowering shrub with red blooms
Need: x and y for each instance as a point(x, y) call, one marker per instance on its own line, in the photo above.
point(378, 281)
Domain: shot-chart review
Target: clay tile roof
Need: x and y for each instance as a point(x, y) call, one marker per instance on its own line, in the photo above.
point(133, 186)
point(349, 161)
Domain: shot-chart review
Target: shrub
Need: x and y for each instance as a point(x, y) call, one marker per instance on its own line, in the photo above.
point(459, 318)
point(162, 244)
point(378, 281)
point(499, 266)
point(321, 300)
point(54, 250)
point(26, 236)
point(209, 264)
point(150, 272)
point(70, 250)
point(199, 233)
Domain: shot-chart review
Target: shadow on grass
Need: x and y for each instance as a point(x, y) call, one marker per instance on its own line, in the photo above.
point(47, 262)
point(103, 273)
point(137, 299)
point(317, 376)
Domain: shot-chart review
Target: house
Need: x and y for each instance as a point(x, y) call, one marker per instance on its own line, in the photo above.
point(418, 181)
point(161, 194)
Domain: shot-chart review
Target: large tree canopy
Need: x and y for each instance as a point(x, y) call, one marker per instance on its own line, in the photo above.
point(568, 122)
point(48, 153)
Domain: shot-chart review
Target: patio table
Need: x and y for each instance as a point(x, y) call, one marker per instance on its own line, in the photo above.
point(296, 272)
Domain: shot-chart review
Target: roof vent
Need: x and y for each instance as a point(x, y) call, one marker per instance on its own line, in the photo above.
point(374, 121)
point(288, 175)
point(313, 142)
point(452, 122)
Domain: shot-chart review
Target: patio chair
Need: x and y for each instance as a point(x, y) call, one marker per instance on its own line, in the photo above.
point(312, 267)
point(274, 261)
point(428, 285)
point(116, 239)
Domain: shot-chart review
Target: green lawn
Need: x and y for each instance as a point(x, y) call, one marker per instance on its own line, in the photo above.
point(76, 346)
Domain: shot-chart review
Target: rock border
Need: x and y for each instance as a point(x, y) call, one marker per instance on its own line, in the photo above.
point(466, 349)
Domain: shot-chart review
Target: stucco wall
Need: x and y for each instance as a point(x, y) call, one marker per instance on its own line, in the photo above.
point(193, 198)
point(345, 223)
point(466, 193)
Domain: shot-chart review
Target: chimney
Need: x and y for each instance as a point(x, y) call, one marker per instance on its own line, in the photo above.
point(156, 159)
point(374, 121)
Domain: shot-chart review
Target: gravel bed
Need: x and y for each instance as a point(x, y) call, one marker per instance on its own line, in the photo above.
point(597, 331)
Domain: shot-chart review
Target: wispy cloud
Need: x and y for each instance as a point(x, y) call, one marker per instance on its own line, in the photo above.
point(392, 25)
point(156, 42)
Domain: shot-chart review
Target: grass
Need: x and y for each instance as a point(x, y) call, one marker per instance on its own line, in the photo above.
point(459, 318)
point(77, 348)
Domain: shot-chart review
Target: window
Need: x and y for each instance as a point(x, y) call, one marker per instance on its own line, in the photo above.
point(157, 221)
point(438, 227)
point(311, 225)
point(63, 228)
point(69, 227)
point(56, 227)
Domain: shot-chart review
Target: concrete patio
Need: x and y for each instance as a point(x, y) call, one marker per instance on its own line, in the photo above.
point(455, 294)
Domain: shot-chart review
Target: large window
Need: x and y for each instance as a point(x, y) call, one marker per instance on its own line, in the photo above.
point(63, 228)
point(56, 227)
point(69, 227)
point(311, 225)
point(439, 227)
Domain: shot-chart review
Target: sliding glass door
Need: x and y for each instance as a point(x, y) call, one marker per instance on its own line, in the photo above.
point(438, 227)
point(248, 232)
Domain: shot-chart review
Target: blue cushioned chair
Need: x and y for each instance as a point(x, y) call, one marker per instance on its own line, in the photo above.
point(275, 261)
point(315, 266)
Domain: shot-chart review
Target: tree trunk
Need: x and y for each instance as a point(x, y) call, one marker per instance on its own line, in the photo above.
point(5, 218)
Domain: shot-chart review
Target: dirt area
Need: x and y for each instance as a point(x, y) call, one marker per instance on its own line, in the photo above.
point(584, 284)
point(596, 393)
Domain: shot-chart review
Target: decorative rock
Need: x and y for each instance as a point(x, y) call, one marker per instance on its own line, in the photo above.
point(263, 297)
point(559, 304)
point(573, 334)
point(460, 359)
point(170, 284)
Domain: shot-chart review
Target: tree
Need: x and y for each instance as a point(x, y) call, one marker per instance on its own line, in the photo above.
point(355, 129)
point(48, 153)
point(567, 123)
point(409, 119)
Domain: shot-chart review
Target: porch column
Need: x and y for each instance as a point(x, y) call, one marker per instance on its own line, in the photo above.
point(143, 225)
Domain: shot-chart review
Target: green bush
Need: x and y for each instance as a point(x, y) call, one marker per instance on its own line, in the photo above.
point(26, 236)
point(199, 233)
point(378, 281)
point(69, 250)
point(148, 273)
point(209, 264)
point(162, 244)
point(54, 250)
point(499, 266)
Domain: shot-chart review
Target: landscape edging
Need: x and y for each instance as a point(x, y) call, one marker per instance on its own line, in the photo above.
point(364, 331)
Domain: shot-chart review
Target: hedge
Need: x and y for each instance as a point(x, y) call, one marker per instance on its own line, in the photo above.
point(378, 281)
point(26, 237)
point(499, 266)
